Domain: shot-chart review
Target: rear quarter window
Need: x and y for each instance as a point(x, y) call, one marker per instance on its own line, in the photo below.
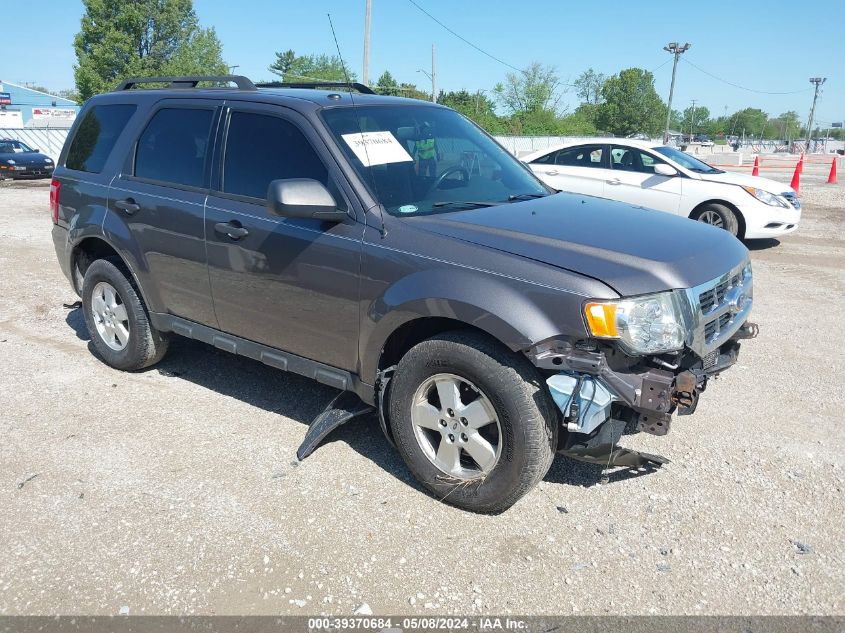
point(96, 136)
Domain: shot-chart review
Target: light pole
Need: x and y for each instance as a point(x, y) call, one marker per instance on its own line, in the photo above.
point(676, 49)
point(232, 68)
point(431, 77)
point(818, 81)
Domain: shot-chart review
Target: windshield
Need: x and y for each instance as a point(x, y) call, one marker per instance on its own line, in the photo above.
point(685, 160)
point(13, 147)
point(420, 159)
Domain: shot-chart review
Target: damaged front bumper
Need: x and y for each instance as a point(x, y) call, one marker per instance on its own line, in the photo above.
point(594, 385)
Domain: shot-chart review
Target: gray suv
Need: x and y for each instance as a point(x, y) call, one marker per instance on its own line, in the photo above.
point(391, 249)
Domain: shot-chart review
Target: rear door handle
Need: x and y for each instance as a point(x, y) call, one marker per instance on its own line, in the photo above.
point(128, 206)
point(233, 229)
point(552, 172)
point(615, 181)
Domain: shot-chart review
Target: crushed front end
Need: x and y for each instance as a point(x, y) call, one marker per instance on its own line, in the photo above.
point(648, 358)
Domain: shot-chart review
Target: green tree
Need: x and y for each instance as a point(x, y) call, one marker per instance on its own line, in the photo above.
point(121, 39)
point(787, 126)
point(535, 89)
point(631, 104)
point(751, 121)
point(588, 86)
point(387, 85)
point(475, 106)
point(696, 120)
point(292, 67)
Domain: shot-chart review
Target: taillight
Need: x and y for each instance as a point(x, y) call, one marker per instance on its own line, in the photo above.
point(55, 186)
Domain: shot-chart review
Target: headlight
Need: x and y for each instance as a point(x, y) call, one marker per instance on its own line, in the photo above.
point(767, 198)
point(651, 324)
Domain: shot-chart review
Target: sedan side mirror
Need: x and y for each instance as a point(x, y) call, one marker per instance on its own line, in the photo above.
point(303, 198)
point(662, 169)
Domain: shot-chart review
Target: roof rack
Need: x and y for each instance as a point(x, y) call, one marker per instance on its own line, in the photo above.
point(362, 88)
point(240, 81)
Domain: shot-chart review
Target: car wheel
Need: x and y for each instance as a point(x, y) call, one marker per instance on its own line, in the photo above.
point(117, 318)
point(472, 420)
point(718, 215)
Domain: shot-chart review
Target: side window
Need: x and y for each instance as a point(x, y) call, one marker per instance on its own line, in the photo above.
point(261, 148)
point(96, 135)
point(581, 156)
point(548, 159)
point(649, 161)
point(631, 159)
point(174, 145)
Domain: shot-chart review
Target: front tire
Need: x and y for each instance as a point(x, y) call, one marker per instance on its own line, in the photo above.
point(718, 215)
point(117, 318)
point(472, 420)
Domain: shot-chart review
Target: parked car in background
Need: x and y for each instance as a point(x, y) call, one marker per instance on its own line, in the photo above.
point(659, 177)
point(703, 140)
point(19, 160)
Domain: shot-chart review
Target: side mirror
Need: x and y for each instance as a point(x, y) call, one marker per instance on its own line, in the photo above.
point(303, 198)
point(662, 169)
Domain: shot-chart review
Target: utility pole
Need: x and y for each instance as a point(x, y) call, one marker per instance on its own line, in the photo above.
point(433, 77)
point(692, 122)
point(365, 76)
point(676, 49)
point(818, 81)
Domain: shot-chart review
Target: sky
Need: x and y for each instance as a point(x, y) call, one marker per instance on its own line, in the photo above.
point(760, 46)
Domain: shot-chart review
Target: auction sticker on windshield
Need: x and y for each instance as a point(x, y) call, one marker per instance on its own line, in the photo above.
point(377, 148)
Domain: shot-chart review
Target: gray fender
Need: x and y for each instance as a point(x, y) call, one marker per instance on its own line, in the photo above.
point(507, 309)
point(116, 235)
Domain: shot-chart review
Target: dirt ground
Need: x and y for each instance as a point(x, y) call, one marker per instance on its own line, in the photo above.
point(176, 490)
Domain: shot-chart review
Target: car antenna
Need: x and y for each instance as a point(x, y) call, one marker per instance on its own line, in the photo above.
point(383, 231)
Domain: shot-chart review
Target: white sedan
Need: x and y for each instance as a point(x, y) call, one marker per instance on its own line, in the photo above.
point(658, 177)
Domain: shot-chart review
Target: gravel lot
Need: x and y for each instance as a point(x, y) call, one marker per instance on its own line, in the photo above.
point(176, 490)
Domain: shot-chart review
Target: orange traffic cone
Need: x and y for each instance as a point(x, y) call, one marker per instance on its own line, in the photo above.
point(796, 179)
point(756, 170)
point(831, 180)
point(800, 165)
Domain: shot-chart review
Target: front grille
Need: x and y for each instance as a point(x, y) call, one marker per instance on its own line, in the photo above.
point(708, 361)
point(792, 199)
point(713, 297)
point(711, 328)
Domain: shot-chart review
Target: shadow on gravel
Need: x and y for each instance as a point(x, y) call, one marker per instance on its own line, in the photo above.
point(76, 320)
point(571, 472)
point(301, 399)
point(761, 245)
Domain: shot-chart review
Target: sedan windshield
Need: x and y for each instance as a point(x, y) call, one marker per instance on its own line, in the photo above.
point(13, 147)
point(419, 159)
point(685, 160)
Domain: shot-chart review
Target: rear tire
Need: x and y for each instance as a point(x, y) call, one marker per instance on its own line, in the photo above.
point(494, 463)
point(117, 318)
point(718, 215)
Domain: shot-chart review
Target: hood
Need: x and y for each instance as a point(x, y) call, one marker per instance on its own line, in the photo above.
point(27, 158)
point(746, 180)
point(632, 250)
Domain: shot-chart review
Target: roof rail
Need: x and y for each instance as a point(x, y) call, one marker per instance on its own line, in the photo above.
point(240, 81)
point(362, 88)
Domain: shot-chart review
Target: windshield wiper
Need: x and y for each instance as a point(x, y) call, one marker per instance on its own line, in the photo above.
point(463, 204)
point(526, 196)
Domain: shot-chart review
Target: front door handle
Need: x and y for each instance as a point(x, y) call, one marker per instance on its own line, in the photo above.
point(552, 172)
point(128, 206)
point(615, 181)
point(233, 229)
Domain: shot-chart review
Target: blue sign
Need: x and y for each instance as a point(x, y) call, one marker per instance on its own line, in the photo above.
point(5, 98)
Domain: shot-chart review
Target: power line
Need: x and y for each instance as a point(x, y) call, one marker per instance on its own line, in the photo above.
point(466, 41)
point(730, 83)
